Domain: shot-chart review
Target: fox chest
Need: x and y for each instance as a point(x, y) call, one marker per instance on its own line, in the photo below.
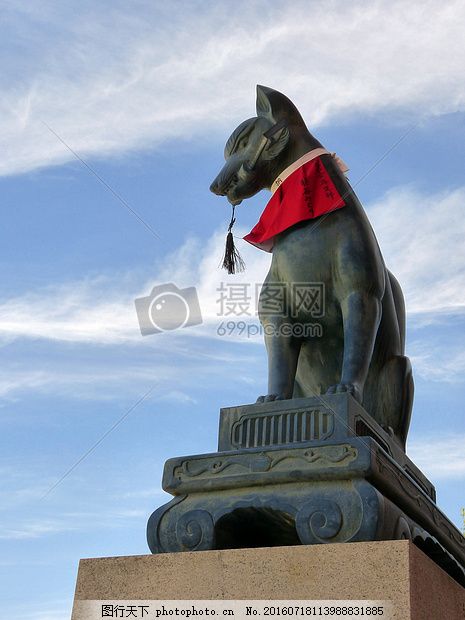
point(303, 269)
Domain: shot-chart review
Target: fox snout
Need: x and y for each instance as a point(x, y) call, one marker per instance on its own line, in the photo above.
point(221, 185)
point(236, 181)
point(215, 188)
point(229, 180)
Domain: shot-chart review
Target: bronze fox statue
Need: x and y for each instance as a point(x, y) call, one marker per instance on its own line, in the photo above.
point(361, 349)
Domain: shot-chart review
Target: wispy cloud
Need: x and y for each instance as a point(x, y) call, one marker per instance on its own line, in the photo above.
point(443, 362)
point(85, 311)
point(421, 237)
point(439, 458)
point(76, 382)
point(26, 529)
point(151, 493)
point(35, 529)
point(110, 80)
point(89, 347)
point(102, 311)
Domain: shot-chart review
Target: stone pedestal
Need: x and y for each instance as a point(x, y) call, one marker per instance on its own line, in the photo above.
point(395, 571)
point(302, 471)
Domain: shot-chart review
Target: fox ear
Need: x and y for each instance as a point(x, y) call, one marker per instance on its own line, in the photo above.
point(263, 103)
point(274, 106)
point(265, 97)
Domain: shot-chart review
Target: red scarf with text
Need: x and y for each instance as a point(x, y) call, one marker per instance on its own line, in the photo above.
point(305, 194)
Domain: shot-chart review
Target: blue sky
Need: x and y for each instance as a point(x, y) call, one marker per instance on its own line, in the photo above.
point(147, 93)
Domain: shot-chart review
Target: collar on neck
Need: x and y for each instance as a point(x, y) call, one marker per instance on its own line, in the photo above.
point(303, 160)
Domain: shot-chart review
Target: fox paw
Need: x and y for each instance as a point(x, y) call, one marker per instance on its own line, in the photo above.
point(351, 388)
point(269, 397)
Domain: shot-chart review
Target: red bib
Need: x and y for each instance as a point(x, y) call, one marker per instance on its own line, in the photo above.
point(305, 194)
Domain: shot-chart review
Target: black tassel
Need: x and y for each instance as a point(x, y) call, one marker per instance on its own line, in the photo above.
point(232, 260)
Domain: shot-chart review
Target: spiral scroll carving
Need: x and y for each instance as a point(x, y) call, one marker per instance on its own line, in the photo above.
point(319, 520)
point(402, 530)
point(194, 530)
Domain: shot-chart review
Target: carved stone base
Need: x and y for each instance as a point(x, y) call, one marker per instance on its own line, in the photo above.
point(303, 471)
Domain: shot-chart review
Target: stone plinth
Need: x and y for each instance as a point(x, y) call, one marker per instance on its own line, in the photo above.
point(302, 471)
point(391, 570)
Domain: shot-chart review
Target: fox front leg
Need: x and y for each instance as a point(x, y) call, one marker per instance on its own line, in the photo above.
point(283, 354)
point(361, 313)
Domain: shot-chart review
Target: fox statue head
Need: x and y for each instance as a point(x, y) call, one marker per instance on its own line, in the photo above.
point(262, 146)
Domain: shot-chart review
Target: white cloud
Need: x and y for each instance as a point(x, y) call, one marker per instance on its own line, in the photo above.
point(85, 311)
point(151, 493)
point(112, 80)
point(27, 529)
point(176, 396)
point(35, 529)
point(102, 311)
point(110, 378)
point(83, 383)
point(421, 237)
point(442, 362)
point(94, 315)
point(10, 382)
point(439, 458)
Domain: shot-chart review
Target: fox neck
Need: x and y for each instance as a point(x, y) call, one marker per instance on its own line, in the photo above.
point(299, 144)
